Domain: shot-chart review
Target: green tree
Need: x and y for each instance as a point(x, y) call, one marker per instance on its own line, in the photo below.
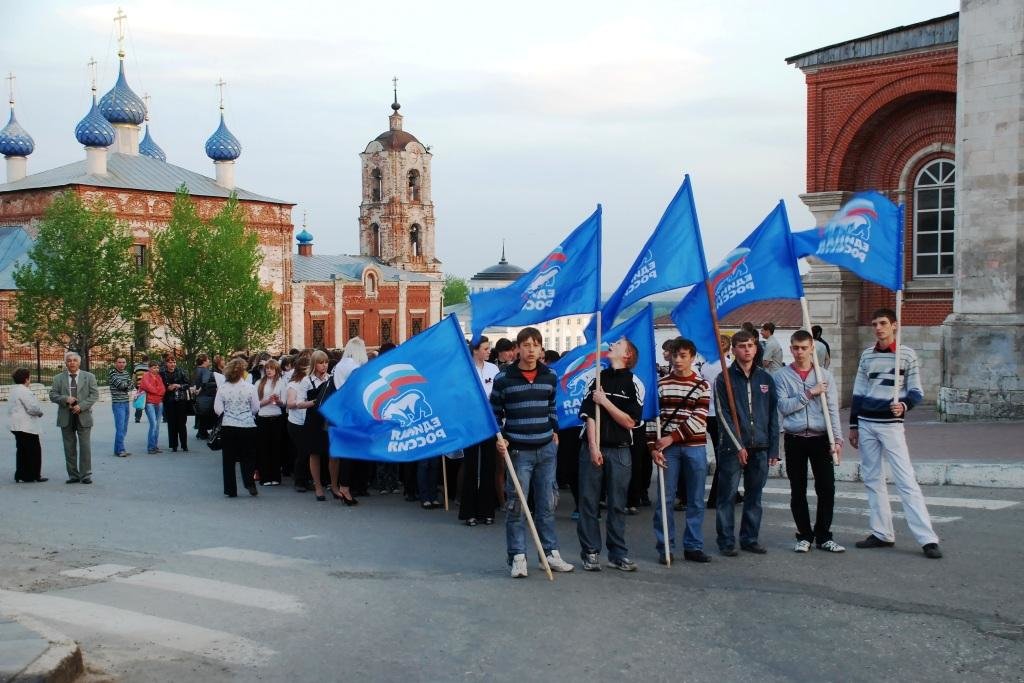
point(456, 291)
point(80, 287)
point(205, 281)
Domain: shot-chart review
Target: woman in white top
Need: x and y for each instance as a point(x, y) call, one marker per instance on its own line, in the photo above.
point(296, 418)
point(478, 497)
point(270, 421)
point(237, 403)
point(25, 410)
point(314, 433)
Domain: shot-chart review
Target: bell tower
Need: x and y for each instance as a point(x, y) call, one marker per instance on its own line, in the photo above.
point(396, 216)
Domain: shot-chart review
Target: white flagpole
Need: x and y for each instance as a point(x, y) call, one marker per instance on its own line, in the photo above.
point(444, 480)
point(817, 380)
point(597, 379)
point(899, 329)
point(664, 508)
point(526, 511)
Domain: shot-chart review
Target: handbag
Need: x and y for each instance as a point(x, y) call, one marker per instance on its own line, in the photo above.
point(140, 401)
point(216, 441)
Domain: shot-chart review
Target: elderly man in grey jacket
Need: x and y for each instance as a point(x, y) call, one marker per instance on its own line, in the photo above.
point(799, 387)
point(75, 391)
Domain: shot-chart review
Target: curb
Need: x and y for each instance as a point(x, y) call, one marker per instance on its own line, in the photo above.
point(61, 662)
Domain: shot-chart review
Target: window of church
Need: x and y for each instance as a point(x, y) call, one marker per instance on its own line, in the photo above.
point(354, 327)
point(376, 185)
point(414, 185)
point(375, 240)
point(933, 219)
point(371, 284)
point(139, 252)
point(319, 330)
point(417, 325)
point(385, 331)
point(414, 239)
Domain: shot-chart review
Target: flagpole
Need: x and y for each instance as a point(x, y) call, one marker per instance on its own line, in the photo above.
point(817, 380)
point(666, 545)
point(899, 329)
point(444, 481)
point(525, 509)
point(725, 368)
point(597, 378)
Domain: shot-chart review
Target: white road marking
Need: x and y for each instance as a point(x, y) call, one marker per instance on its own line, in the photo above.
point(98, 572)
point(970, 503)
point(304, 538)
point(864, 512)
point(251, 557)
point(136, 627)
point(215, 590)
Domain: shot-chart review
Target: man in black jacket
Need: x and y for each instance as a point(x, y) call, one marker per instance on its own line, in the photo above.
point(752, 450)
point(606, 456)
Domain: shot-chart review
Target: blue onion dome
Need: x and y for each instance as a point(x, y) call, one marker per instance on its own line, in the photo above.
point(14, 140)
point(94, 130)
point(222, 145)
point(304, 237)
point(121, 104)
point(150, 149)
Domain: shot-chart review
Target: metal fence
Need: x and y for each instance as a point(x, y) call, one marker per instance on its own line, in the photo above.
point(45, 365)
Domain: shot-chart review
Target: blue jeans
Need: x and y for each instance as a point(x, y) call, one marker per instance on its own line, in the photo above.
point(154, 413)
point(617, 468)
point(534, 468)
point(120, 425)
point(755, 474)
point(693, 461)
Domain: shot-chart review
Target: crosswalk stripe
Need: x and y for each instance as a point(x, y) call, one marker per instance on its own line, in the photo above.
point(134, 626)
point(304, 538)
point(938, 501)
point(97, 572)
point(256, 557)
point(863, 512)
point(214, 590)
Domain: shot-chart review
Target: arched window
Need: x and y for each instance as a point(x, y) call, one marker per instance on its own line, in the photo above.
point(376, 185)
point(414, 185)
point(371, 284)
point(933, 219)
point(375, 240)
point(414, 239)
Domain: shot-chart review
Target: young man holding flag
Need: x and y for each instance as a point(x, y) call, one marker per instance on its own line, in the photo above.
point(750, 452)
point(523, 400)
point(806, 440)
point(606, 456)
point(876, 428)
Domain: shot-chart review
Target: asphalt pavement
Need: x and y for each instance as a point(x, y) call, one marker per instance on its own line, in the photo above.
point(158, 576)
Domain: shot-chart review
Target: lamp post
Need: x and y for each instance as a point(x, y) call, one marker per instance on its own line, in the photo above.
point(39, 365)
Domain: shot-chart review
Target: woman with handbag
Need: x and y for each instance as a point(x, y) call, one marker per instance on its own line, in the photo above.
point(176, 404)
point(316, 388)
point(270, 422)
point(296, 420)
point(205, 387)
point(237, 403)
point(152, 386)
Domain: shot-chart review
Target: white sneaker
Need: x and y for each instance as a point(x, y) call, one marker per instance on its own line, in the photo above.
point(557, 564)
point(832, 547)
point(802, 547)
point(518, 566)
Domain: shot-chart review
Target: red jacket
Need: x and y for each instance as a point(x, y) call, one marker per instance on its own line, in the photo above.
point(154, 387)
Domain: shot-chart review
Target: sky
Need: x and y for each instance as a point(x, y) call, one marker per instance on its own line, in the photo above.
point(535, 111)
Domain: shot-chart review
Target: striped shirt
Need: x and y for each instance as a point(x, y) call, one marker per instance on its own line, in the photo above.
point(873, 388)
point(684, 410)
point(525, 410)
point(120, 383)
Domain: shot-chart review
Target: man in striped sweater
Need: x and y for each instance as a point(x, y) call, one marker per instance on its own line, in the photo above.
point(683, 397)
point(120, 382)
point(876, 428)
point(523, 400)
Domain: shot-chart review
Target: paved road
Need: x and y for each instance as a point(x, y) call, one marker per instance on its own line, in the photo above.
point(160, 577)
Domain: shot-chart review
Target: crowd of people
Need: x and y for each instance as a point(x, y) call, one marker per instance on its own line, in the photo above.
point(263, 414)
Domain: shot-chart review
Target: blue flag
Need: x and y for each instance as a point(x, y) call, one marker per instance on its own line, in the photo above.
point(865, 236)
point(575, 370)
point(419, 400)
point(671, 258)
point(762, 267)
point(566, 282)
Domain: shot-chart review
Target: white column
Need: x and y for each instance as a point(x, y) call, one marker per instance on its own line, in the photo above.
point(225, 174)
point(96, 160)
point(17, 167)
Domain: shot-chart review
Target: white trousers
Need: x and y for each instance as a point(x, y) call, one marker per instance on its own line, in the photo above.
point(887, 441)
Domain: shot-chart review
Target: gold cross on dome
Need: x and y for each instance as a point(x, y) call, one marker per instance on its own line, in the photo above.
point(120, 19)
point(11, 78)
point(92, 72)
point(220, 85)
point(145, 99)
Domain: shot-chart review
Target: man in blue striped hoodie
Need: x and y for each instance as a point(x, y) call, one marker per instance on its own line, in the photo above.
point(876, 428)
point(523, 400)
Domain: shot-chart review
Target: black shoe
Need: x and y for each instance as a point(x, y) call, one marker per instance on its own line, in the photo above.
point(711, 505)
point(300, 488)
point(488, 521)
point(252, 490)
point(645, 502)
point(87, 480)
point(931, 551)
point(349, 502)
point(873, 541)
point(695, 556)
point(174, 450)
point(43, 479)
point(739, 498)
point(728, 552)
point(470, 522)
point(662, 560)
point(755, 548)
point(321, 499)
point(72, 480)
point(231, 495)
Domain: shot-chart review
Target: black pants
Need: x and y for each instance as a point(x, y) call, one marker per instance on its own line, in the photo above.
point(641, 469)
point(272, 450)
point(299, 455)
point(478, 499)
point(176, 414)
point(237, 447)
point(28, 457)
point(568, 462)
point(713, 440)
point(799, 451)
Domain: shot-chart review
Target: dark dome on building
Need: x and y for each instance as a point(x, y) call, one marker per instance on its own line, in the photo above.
point(396, 140)
point(502, 270)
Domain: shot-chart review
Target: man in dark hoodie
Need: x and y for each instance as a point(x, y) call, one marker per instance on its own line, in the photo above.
point(749, 452)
